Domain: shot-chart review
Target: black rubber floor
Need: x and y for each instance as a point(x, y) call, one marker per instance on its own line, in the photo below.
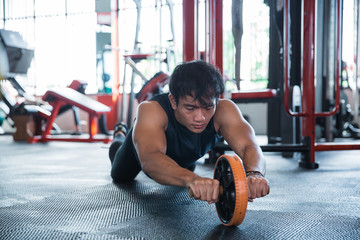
point(64, 191)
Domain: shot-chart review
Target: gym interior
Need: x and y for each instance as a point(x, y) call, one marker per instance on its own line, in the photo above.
point(71, 69)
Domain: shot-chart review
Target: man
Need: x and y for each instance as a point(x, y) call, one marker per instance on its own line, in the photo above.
point(172, 131)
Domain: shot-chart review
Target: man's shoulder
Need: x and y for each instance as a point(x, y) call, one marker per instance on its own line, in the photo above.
point(150, 105)
point(150, 113)
point(225, 108)
point(225, 104)
point(163, 97)
point(151, 108)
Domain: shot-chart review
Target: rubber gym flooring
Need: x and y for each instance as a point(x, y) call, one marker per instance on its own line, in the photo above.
point(62, 190)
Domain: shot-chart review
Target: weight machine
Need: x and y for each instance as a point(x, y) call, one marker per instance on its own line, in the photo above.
point(307, 144)
point(153, 85)
point(29, 114)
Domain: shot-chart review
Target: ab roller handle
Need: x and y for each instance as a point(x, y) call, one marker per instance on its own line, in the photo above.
point(221, 192)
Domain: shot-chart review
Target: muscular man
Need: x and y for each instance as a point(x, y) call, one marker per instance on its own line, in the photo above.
point(172, 131)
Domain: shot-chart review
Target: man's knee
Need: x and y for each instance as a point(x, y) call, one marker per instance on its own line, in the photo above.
point(121, 178)
point(124, 176)
point(113, 149)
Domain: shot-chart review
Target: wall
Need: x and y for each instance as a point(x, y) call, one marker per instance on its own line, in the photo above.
point(257, 114)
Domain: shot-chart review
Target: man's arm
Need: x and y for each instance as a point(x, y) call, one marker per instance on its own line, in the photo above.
point(150, 143)
point(241, 138)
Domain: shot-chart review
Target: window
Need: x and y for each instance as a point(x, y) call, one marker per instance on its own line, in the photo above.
point(255, 44)
point(62, 34)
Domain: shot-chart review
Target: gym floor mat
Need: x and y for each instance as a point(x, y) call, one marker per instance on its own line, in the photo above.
point(64, 191)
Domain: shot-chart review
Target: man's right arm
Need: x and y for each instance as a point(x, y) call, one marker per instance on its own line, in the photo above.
point(150, 143)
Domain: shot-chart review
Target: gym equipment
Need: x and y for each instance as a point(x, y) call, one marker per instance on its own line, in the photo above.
point(308, 113)
point(79, 86)
point(63, 96)
point(233, 191)
point(253, 96)
point(26, 116)
point(305, 63)
point(130, 59)
point(232, 204)
point(23, 108)
point(152, 87)
point(29, 111)
point(18, 54)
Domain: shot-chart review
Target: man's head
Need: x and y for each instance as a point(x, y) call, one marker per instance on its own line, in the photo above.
point(197, 79)
point(195, 88)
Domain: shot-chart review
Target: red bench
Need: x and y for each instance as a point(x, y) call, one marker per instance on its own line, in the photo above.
point(67, 96)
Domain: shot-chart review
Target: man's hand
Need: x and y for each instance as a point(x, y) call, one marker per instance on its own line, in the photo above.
point(205, 189)
point(258, 186)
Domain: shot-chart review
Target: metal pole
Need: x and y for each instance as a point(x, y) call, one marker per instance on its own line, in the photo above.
point(214, 30)
point(190, 30)
point(115, 53)
point(357, 63)
point(124, 97)
point(174, 41)
point(158, 49)
point(218, 21)
point(308, 95)
point(4, 12)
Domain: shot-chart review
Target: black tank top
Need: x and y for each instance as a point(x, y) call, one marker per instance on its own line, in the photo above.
point(184, 146)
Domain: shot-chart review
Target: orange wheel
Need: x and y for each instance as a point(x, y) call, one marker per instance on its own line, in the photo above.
point(232, 204)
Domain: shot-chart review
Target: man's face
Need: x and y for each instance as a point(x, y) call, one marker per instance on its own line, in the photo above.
point(190, 113)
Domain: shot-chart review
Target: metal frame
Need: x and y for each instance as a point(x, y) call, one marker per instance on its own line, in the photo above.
point(213, 32)
point(190, 30)
point(64, 96)
point(213, 54)
point(308, 113)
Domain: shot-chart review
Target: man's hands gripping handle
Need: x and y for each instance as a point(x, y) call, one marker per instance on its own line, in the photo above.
point(258, 185)
point(205, 189)
point(209, 190)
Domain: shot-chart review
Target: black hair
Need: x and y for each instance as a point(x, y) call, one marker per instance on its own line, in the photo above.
point(198, 79)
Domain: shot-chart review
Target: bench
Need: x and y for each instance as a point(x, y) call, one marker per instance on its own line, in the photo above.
point(26, 113)
point(67, 96)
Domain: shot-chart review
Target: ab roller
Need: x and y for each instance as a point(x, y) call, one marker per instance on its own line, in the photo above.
point(233, 190)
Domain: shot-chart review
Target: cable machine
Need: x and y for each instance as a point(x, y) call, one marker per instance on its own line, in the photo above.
point(312, 57)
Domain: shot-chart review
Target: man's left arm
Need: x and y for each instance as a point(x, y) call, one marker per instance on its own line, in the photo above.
point(241, 138)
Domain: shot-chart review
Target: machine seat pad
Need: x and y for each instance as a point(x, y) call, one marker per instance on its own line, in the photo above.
point(258, 94)
point(73, 97)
